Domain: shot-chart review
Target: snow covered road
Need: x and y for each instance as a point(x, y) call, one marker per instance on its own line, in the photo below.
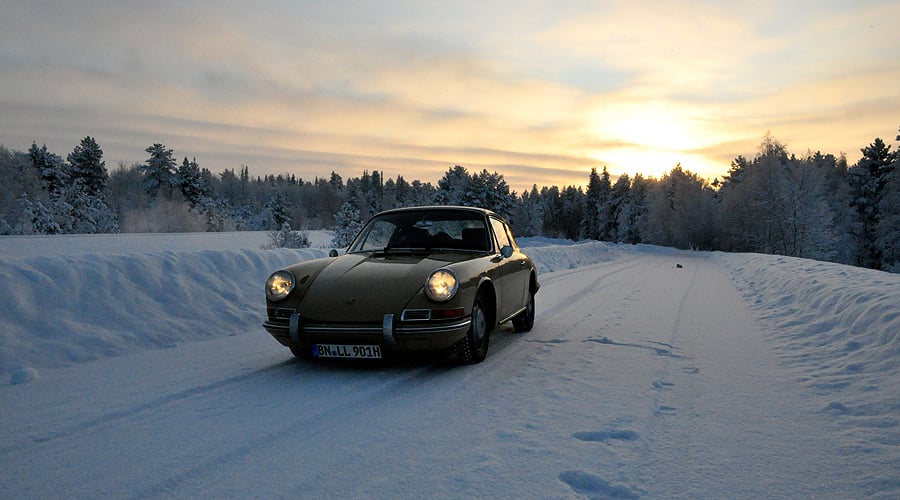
point(647, 376)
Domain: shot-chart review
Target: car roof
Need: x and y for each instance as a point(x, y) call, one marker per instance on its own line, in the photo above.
point(482, 211)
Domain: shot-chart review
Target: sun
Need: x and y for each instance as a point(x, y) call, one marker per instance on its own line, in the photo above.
point(649, 138)
point(656, 128)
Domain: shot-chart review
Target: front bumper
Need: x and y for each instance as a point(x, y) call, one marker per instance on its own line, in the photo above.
point(391, 334)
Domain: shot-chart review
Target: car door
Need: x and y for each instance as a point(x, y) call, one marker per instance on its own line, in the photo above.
point(512, 275)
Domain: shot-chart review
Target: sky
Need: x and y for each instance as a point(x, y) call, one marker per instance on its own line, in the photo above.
point(540, 92)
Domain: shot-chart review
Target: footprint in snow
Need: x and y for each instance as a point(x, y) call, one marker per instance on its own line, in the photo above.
point(662, 385)
point(654, 347)
point(837, 408)
point(666, 410)
point(603, 436)
point(591, 485)
point(551, 341)
point(692, 370)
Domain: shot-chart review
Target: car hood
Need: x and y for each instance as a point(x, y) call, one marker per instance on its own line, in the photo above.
point(365, 287)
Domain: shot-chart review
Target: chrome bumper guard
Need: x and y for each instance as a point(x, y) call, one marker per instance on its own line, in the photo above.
point(388, 329)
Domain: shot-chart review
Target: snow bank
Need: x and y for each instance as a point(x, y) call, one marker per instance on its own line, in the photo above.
point(838, 321)
point(17, 247)
point(66, 309)
point(553, 257)
point(839, 326)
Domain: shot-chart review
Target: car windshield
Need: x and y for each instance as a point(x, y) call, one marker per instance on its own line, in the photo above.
point(424, 230)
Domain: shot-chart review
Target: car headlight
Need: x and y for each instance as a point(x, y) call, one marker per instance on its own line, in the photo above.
point(441, 285)
point(279, 285)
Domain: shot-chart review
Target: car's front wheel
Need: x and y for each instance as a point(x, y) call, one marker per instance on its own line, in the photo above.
point(524, 321)
point(473, 349)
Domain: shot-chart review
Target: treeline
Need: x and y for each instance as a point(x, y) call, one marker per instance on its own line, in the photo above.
point(814, 206)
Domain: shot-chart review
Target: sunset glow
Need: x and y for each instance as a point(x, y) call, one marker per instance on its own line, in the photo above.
point(538, 91)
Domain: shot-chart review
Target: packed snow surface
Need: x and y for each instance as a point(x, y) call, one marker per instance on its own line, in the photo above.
point(136, 366)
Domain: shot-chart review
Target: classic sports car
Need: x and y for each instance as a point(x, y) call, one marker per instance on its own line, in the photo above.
point(414, 279)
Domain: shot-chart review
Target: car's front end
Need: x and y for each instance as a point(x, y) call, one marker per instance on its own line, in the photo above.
point(367, 305)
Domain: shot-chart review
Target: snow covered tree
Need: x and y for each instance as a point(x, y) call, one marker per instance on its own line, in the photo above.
point(35, 218)
point(126, 191)
point(396, 193)
point(159, 171)
point(276, 211)
point(494, 193)
point(452, 187)
point(679, 213)
point(287, 238)
point(571, 212)
point(844, 218)
point(421, 193)
point(551, 208)
point(779, 204)
point(88, 212)
point(598, 222)
point(53, 171)
point(483, 190)
point(751, 201)
point(191, 181)
point(83, 207)
point(530, 214)
point(632, 211)
point(806, 223)
point(887, 231)
point(215, 212)
point(19, 176)
point(347, 224)
point(867, 183)
point(619, 195)
point(88, 168)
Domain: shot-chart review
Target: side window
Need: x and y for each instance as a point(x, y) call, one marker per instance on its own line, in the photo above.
point(500, 231)
point(512, 239)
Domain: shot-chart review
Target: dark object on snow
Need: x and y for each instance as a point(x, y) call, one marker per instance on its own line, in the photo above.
point(679, 266)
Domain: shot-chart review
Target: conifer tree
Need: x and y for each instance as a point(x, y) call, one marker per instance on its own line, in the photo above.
point(159, 171)
point(53, 171)
point(277, 211)
point(632, 211)
point(868, 179)
point(347, 224)
point(88, 168)
point(192, 183)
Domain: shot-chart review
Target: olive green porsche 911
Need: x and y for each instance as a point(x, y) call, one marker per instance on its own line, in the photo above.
point(414, 279)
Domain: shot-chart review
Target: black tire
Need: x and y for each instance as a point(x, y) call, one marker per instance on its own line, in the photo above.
point(473, 349)
point(524, 321)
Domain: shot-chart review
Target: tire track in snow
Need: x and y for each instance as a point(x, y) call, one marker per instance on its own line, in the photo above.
point(134, 410)
point(392, 383)
point(573, 298)
point(661, 383)
point(623, 440)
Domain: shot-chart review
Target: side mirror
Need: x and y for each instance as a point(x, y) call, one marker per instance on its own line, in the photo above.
point(506, 251)
point(333, 253)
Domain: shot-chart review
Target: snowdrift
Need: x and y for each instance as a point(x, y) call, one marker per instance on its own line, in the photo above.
point(839, 326)
point(66, 309)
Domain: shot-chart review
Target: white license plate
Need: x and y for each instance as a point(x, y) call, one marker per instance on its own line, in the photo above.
point(346, 351)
